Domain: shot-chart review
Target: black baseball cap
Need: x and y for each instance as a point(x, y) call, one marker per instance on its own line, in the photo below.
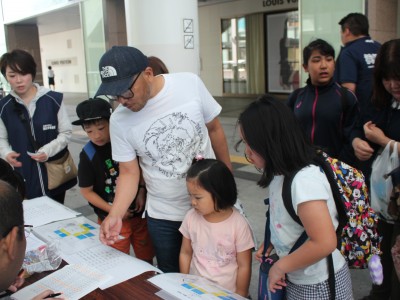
point(117, 67)
point(92, 109)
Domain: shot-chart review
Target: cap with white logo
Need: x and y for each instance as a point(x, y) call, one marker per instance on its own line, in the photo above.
point(117, 68)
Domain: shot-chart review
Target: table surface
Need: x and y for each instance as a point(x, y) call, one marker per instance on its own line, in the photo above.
point(135, 288)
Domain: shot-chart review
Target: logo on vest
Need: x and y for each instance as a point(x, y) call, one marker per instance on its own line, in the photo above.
point(48, 127)
point(108, 71)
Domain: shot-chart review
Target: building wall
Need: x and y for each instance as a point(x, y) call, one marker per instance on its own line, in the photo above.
point(64, 51)
point(156, 27)
point(25, 37)
point(210, 33)
point(115, 23)
point(382, 14)
point(383, 19)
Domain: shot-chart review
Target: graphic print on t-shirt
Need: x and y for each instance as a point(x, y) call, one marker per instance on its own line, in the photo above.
point(172, 142)
point(111, 174)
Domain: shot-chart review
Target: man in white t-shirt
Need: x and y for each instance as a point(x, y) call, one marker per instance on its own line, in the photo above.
point(162, 122)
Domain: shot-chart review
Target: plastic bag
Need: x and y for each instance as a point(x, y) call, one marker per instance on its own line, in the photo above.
point(381, 185)
point(44, 258)
point(240, 208)
point(396, 256)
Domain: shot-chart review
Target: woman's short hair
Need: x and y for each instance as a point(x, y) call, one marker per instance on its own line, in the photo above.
point(387, 66)
point(216, 178)
point(157, 65)
point(322, 46)
point(19, 61)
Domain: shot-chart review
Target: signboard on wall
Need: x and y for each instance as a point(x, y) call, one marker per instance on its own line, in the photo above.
point(69, 61)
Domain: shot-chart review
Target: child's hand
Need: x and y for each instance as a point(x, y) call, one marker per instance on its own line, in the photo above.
point(258, 255)
point(276, 278)
point(128, 215)
point(140, 201)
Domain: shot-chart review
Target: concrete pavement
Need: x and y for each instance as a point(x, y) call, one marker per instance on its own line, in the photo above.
point(246, 177)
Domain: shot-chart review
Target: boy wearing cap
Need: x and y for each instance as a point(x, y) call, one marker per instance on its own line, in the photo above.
point(162, 122)
point(98, 173)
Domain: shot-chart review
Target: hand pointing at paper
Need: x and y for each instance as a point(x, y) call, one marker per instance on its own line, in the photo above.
point(110, 229)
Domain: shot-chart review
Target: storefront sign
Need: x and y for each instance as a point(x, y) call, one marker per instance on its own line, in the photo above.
point(267, 3)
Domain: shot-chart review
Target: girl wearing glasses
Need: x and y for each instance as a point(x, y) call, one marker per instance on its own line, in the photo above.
point(276, 144)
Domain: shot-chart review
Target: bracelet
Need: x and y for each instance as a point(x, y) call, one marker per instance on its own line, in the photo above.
point(142, 186)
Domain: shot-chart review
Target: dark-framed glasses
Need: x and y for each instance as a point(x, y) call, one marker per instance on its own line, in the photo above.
point(248, 158)
point(27, 228)
point(252, 162)
point(128, 94)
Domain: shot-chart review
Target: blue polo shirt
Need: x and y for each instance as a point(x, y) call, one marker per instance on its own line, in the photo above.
point(355, 64)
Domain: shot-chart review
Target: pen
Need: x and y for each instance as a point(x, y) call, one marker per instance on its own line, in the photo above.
point(52, 295)
point(21, 273)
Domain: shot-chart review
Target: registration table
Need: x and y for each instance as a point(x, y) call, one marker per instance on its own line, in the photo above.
point(135, 288)
point(91, 270)
point(120, 276)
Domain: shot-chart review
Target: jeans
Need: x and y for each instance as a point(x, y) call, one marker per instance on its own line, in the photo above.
point(167, 241)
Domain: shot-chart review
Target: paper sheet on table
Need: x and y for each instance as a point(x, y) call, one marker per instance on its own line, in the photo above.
point(185, 286)
point(43, 210)
point(73, 235)
point(110, 261)
point(74, 281)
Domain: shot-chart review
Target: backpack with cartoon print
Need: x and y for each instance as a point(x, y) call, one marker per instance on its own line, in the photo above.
point(358, 238)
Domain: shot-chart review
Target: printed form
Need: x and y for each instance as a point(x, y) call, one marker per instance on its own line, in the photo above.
point(73, 281)
point(43, 210)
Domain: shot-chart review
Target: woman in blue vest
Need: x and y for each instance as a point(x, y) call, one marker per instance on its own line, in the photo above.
point(34, 125)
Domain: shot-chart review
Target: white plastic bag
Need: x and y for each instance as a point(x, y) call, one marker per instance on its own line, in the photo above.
point(381, 187)
point(45, 258)
point(240, 208)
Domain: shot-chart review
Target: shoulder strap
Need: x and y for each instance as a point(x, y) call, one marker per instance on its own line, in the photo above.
point(267, 234)
point(287, 197)
point(345, 103)
point(344, 99)
point(19, 110)
point(326, 167)
point(293, 97)
point(90, 150)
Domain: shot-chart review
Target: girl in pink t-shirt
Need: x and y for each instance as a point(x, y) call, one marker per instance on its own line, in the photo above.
point(217, 239)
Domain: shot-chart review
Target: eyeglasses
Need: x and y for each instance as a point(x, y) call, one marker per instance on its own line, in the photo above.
point(248, 158)
point(28, 230)
point(127, 94)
